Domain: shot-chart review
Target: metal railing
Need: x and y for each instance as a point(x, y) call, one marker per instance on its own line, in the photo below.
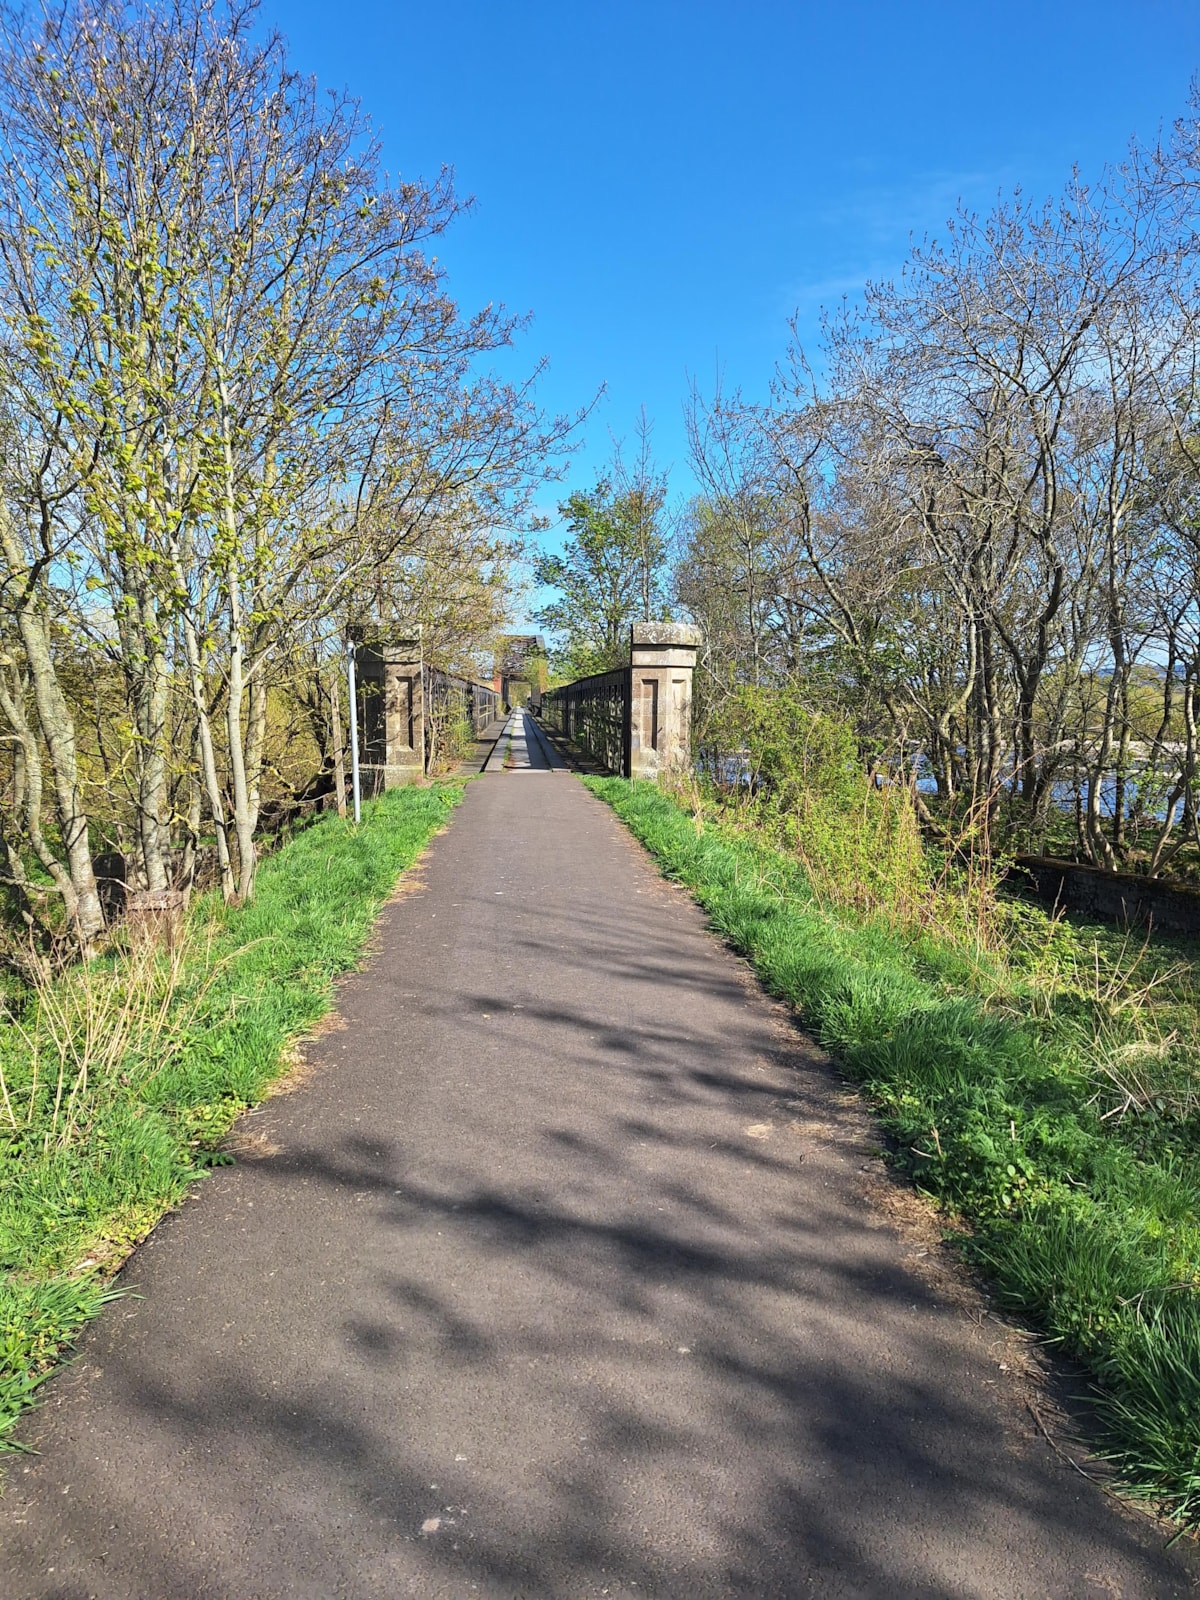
point(448, 697)
point(448, 700)
point(594, 713)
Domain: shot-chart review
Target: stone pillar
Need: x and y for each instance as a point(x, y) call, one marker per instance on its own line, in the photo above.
point(156, 916)
point(391, 714)
point(663, 659)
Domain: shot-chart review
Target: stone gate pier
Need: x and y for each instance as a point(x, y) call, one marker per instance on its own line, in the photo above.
point(663, 660)
point(635, 720)
point(406, 705)
point(391, 711)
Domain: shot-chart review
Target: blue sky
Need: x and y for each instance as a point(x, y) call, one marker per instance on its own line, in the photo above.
point(663, 185)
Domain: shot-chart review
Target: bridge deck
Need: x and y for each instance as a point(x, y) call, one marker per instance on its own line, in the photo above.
point(522, 747)
point(566, 1273)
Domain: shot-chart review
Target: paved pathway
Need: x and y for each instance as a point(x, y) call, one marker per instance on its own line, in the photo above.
point(522, 747)
point(565, 1274)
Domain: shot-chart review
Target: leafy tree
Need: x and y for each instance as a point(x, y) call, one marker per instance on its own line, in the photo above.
point(611, 572)
point(235, 393)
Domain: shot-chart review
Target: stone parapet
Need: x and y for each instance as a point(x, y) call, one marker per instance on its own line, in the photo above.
point(662, 662)
point(391, 713)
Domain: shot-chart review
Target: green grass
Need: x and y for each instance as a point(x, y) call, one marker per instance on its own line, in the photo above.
point(77, 1193)
point(1030, 1109)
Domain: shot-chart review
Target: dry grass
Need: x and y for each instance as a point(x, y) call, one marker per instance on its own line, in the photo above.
point(98, 1026)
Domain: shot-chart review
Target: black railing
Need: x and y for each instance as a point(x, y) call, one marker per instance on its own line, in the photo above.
point(449, 699)
point(476, 703)
point(593, 713)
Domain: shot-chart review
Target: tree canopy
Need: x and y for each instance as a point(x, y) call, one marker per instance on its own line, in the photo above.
point(613, 570)
point(239, 406)
point(974, 534)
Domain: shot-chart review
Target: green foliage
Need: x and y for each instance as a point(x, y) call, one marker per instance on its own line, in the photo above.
point(456, 742)
point(151, 1117)
point(796, 753)
point(611, 572)
point(993, 1088)
point(859, 841)
point(37, 1322)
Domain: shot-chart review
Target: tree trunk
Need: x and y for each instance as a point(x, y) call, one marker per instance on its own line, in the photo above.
point(256, 739)
point(58, 731)
point(153, 698)
point(27, 797)
point(191, 825)
point(208, 760)
point(339, 748)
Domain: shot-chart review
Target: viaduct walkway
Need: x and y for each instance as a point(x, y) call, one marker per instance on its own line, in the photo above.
point(567, 1270)
point(522, 747)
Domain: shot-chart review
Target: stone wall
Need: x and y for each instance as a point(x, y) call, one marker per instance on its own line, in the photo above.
point(1113, 896)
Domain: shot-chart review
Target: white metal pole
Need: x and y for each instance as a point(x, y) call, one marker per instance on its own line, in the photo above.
point(353, 731)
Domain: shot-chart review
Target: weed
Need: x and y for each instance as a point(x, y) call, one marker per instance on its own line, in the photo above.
point(90, 1030)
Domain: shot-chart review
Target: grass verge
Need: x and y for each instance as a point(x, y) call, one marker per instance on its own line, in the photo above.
point(120, 1082)
point(1086, 1222)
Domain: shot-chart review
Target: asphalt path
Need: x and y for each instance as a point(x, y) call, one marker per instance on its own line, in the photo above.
point(522, 747)
point(567, 1269)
